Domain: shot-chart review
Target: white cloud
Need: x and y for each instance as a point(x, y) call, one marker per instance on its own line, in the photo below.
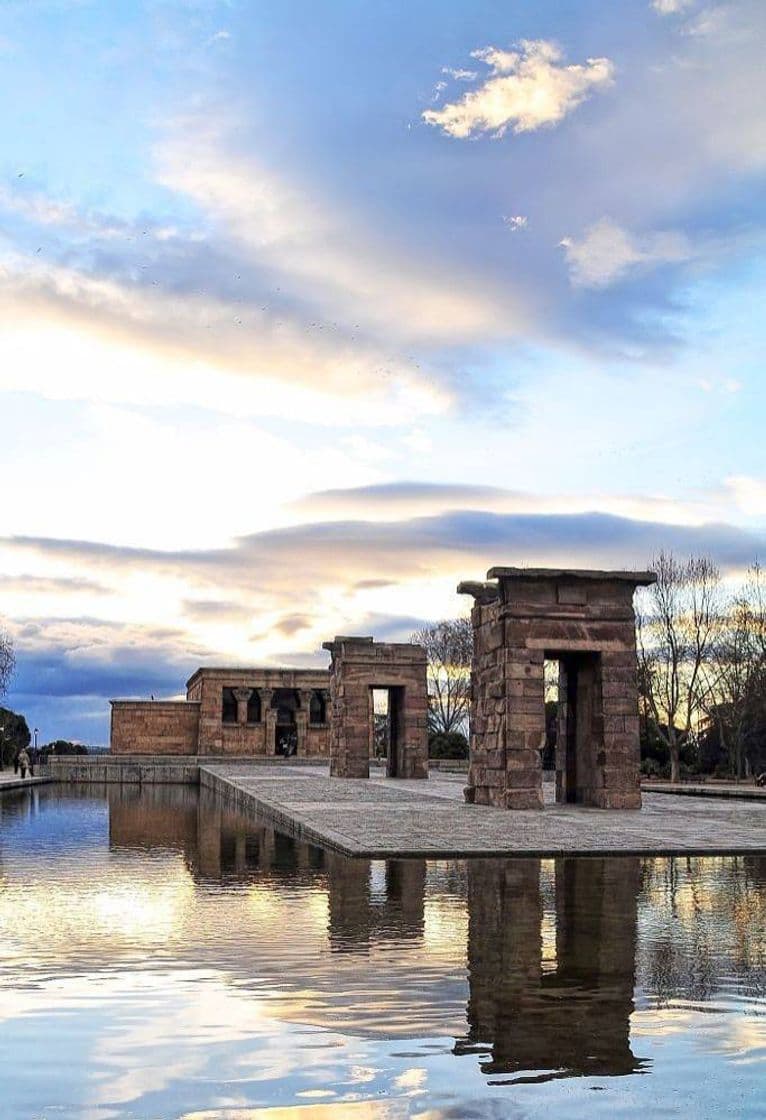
point(460, 75)
point(438, 90)
point(516, 221)
point(749, 494)
point(671, 7)
point(529, 88)
point(43, 210)
point(607, 252)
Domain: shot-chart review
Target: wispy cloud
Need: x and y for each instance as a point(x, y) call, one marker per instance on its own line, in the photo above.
point(364, 281)
point(528, 88)
point(516, 222)
point(671, 7)
point(606, 253)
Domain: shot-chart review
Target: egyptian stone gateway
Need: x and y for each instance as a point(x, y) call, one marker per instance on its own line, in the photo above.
point(361, 666)
point(584, 620)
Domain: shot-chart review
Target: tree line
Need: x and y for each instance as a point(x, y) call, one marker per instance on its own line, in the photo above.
point(702, 666)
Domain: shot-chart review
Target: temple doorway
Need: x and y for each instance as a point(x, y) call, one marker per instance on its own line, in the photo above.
point(574, 680)
point(285, 702)
point(387, 704)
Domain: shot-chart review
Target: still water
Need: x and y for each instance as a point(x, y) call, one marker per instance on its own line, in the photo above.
point(162, 957)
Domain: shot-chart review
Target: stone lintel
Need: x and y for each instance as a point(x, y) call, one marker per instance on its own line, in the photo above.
point(346, 640)
point(157, 703)
point(638, 579)
point(369, 655)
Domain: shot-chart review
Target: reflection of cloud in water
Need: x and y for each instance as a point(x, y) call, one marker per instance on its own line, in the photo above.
point(218, 952)
point(355, 1110)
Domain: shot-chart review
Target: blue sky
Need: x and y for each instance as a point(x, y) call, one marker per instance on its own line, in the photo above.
point(308, 311)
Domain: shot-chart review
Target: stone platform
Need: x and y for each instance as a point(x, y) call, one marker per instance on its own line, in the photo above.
point(380, 818)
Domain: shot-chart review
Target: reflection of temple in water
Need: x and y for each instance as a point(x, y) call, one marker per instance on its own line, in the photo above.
point(551, 946)
point(217, 842)
point(367, 901)
point(378, 949)
point(557, 1009)
point(371, 902)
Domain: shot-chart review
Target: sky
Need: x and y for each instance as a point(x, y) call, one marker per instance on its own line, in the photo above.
point(310, 310)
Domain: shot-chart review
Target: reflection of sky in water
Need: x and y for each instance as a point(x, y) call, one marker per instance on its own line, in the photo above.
point(161, 957)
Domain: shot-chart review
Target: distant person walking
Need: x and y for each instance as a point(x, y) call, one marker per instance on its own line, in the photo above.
point(24, 763)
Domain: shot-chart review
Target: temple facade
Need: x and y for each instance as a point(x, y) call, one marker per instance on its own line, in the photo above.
point(246, 712)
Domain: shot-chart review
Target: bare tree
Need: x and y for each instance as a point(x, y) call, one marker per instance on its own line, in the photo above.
point(678, 621)
point(738, 668)
point(7, 661)
point(449, 646)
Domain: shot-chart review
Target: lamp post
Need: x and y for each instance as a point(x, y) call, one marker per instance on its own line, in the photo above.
point(2, 746)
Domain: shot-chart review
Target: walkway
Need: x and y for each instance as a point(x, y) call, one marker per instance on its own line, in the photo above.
point(9, 780)
point(379, 817)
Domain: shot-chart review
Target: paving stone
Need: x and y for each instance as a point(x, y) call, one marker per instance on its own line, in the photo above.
point(382, 817)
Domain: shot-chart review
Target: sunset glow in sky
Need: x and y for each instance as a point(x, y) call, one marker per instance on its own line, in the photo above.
point(309, 310)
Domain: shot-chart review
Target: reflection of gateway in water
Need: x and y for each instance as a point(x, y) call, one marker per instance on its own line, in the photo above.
point(547, 999)
point(568, 1016)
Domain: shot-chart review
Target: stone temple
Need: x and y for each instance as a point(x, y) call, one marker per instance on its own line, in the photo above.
point(245, 712)
point(581, 622)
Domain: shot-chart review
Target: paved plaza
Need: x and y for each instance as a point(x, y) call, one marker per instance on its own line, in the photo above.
point(382, 817)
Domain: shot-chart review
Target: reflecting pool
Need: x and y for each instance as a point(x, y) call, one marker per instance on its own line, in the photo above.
point(163, 957)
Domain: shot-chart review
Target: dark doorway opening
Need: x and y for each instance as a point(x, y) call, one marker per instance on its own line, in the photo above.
point(285, 702)
point(579, 724)
point(387, 706)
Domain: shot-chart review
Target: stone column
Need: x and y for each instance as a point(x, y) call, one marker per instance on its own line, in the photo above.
point(242, 696)
point(269, 718)
point(302, 720)
point(619, 758)
point(524, 730)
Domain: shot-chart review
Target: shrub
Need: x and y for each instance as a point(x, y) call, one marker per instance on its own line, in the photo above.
point(447, 744)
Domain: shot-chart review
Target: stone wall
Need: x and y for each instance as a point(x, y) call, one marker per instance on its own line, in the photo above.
point(157, 727)
point(585, 621)
point(123, 768)
point(359, 665)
